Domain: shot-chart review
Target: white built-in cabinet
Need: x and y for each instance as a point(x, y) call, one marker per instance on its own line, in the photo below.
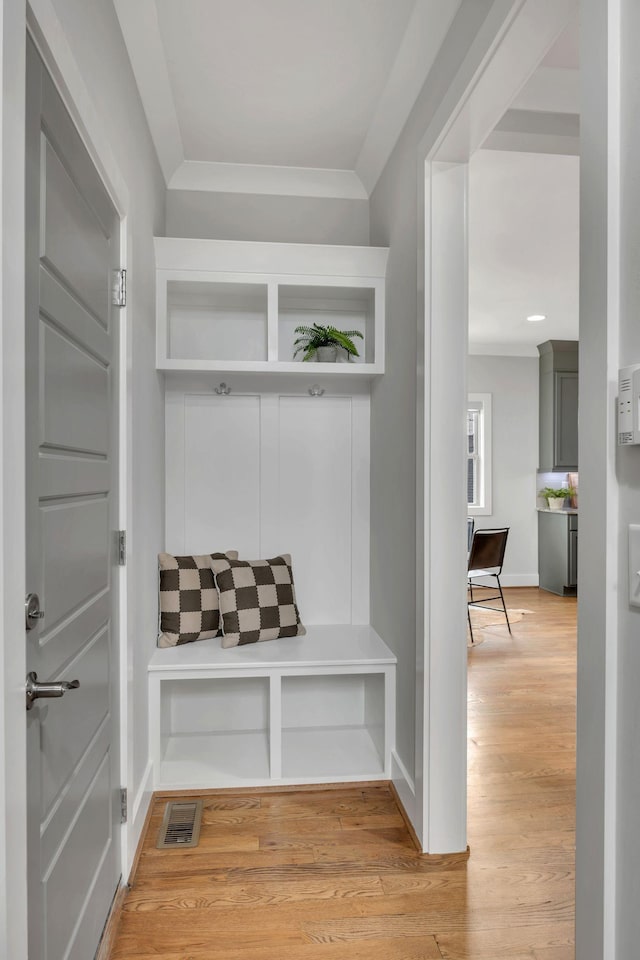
point(275, 459)
point(234, 305)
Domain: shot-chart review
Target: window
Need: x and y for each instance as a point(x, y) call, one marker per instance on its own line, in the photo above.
point(479, 454)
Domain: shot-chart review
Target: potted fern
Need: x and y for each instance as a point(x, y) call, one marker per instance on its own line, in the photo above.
point(322, 343)
point(556, 497)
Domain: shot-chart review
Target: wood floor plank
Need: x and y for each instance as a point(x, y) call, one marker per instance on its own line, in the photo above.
point(333, 874)
point(184, 894)
point(387, 948)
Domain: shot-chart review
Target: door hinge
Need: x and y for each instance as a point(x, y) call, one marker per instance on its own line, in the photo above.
point(123, 805)
point(122, 547)
point(119, 288)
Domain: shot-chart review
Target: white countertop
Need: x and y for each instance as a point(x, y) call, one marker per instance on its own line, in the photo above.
point(561, 513)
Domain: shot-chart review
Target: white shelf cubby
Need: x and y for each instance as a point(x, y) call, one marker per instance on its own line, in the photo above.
point(233, 306)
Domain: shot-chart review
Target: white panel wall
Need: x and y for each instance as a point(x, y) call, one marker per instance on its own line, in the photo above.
point(314, 509)
point(275, 472)
point(218, 466)
point(513, 385)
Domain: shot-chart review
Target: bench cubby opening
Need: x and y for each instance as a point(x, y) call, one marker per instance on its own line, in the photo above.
point(333, 726)
point(214, 729)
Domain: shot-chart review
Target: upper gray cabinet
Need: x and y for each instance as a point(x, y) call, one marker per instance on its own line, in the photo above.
point(558, 405)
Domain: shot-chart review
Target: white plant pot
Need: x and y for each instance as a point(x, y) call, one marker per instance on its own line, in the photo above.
point(326, 354)
point(556, 503)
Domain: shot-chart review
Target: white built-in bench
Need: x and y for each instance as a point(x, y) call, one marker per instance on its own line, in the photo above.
point(310, 709)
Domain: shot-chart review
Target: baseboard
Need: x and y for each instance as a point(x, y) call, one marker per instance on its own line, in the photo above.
point(404, 787)
point(111, 926)
point(520, 580)
point(137, 819)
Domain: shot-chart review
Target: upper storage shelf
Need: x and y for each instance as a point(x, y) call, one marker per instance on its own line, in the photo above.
point(228, 305)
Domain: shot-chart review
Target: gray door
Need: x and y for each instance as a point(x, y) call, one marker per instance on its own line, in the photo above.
point(71, 409)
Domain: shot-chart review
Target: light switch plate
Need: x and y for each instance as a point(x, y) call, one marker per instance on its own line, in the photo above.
point(634, 564)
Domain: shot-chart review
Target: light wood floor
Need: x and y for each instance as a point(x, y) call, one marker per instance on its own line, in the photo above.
point(333, 874)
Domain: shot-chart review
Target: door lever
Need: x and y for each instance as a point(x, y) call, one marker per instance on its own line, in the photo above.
point(35, 690)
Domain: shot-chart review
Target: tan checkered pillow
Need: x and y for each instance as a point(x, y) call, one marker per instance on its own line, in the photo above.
point(188, 598)
point(257, 600)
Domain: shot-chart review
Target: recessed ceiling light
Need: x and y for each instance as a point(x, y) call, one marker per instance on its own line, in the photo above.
point(535, 317)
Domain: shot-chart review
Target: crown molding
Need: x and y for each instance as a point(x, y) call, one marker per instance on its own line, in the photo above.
point(426, 30)
point(550, 90)
point(532, 131)
point(141, 32)
point(216, 177)
point(502, 350)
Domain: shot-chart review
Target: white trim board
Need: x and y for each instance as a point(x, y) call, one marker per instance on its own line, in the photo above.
point(139, 21)
point(513, 39)
point(137, 815)
point(265, 179)
point(502, 350)
point(520, 580)
point(404, 785)
point(13, 792)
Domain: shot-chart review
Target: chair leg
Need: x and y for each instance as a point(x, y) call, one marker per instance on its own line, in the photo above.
point(470, 627)
point(504, 606)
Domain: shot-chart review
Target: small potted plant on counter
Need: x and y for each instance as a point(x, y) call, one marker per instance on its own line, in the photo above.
point(556, 497)
point(322, 343)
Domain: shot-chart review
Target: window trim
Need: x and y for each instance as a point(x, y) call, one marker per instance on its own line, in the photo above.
point(482, 403)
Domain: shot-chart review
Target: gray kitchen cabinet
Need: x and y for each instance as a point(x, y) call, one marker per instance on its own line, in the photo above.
point(558, 449)
point(558, 551)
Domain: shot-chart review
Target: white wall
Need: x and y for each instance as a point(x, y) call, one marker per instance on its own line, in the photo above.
point(93, 34)
point(241, 216)
point(513, 385)
point(394, 223)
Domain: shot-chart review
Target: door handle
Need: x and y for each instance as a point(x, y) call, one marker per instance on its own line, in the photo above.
point(35, 690)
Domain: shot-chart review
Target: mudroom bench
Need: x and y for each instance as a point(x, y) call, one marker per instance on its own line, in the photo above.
point(312, 709)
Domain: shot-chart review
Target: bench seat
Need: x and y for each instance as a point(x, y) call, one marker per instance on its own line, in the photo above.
point(317, 708)
point(322, 646)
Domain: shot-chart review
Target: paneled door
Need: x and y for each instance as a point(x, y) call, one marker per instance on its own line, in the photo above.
point(71, 440)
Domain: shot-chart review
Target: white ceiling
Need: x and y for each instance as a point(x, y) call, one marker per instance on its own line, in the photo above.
point(318, 89)
point(524, 213)
point(523, 250)
point(308, 97)
point(279, 82)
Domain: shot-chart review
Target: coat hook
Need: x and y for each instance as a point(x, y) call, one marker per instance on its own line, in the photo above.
point(223, 390)
point(316, 390)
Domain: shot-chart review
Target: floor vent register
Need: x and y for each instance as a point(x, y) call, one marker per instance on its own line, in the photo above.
point(180, 825)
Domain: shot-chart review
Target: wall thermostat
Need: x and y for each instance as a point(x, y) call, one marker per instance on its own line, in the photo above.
point(629, 405)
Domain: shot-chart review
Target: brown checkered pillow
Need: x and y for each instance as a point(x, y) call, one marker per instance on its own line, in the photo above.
point(188, 598)
point(257, 600)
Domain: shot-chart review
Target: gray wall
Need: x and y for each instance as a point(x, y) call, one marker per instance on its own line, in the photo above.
point(513, 385)
point(93, 33)
point(241, 216)
point(394, 223)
